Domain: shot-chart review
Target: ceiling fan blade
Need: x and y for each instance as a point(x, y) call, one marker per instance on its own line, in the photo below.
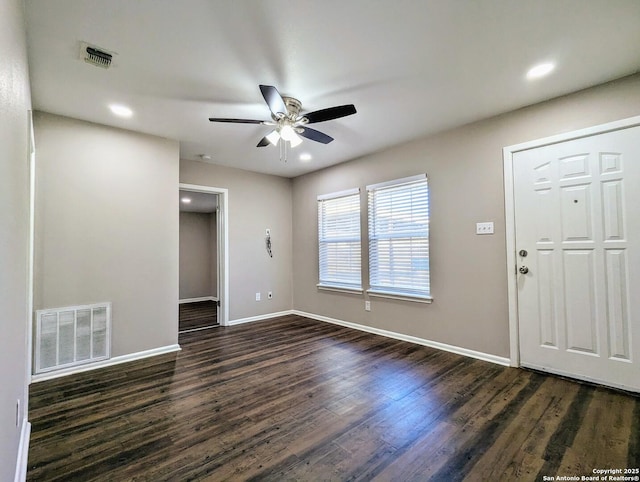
point(263, 142)
point(273, 99)
point(330, 113)
point(314, 135)
point(236, 121)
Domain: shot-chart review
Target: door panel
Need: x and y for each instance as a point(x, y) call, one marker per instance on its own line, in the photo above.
point(577, 216)
point(617, 302)
point(547, 299)
point(579, 292)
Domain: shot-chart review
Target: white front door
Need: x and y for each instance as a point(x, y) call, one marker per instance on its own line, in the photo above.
point(577, 238)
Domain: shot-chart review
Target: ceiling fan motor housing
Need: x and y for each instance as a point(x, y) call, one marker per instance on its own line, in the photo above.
point(293, 107)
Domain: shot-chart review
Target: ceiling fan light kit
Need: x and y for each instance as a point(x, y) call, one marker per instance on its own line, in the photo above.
point(289, 123)
point(273, 138)
point(288, 134)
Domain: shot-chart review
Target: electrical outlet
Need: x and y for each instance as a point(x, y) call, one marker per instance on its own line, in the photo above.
point(257, 296)
point(270, 295)
point(367, 305)
point(484, 228)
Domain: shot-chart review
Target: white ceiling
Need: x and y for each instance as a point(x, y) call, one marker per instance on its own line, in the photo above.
point(411, 67)
point(199, 202)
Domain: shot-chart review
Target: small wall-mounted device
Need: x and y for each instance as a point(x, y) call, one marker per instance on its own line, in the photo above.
point(268, 242)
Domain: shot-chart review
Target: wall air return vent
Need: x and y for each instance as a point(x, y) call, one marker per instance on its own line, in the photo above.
point(96, 55)
point(71, 336)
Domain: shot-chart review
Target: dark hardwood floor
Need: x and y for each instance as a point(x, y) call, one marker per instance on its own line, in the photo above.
point(296, 399)
point(197, 315)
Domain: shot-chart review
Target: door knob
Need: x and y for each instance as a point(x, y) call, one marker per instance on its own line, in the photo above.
point(523, 269)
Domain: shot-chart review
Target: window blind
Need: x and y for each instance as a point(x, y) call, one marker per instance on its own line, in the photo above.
point(399, 237)
point(339, 240)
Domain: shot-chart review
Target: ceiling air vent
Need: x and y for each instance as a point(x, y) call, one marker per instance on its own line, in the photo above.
point(95, 55)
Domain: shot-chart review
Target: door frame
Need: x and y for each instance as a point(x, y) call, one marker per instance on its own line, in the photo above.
point(31, 259)
point(510, 221)
point(222, 222)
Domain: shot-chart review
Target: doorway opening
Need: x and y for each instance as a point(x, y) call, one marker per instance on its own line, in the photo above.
point(202, 258)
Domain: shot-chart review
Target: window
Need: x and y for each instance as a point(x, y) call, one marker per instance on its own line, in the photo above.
point(339, 240)
point(399, 238)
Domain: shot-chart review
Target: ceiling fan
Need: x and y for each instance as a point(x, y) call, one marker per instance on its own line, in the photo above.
point(289, 124)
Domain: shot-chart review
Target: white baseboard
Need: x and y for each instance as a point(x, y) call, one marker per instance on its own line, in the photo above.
point(23, 452)
point(411, 339)
point(389, 334)
point(106, 363)
point(267, 316)
point(195, 300)
point(210, 327)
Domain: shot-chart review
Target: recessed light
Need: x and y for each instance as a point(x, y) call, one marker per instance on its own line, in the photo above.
point(186, 200)
point(540, 70)
point(305, 156)
point(121, 110)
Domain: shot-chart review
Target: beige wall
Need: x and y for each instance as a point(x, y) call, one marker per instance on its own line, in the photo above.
point(198, 275)
point(15, 102)
point(104, 232)
point(256, 202)
point(469, 280)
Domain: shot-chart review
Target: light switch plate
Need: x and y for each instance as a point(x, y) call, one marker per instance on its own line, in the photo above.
point(484, 228)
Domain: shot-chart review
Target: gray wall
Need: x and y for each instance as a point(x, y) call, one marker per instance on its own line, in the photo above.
point(15, 102)
point(198, 256)
point(104, 232)
point(256, 202)
point(469, 281)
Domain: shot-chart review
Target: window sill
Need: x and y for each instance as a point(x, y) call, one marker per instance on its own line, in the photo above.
point(340, 289)
point(396, 296)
